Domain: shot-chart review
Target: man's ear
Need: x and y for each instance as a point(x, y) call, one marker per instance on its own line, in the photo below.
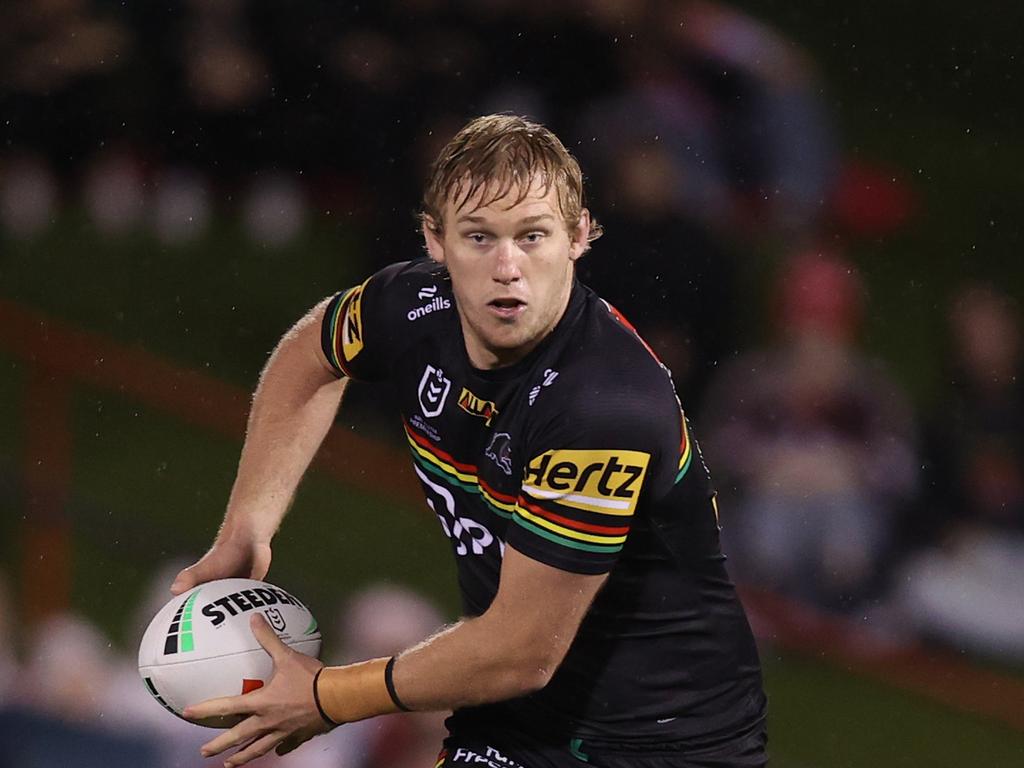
point(432, 240)
point(580, 242)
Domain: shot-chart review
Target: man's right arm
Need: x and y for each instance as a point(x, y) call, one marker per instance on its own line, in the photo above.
point(294, 406)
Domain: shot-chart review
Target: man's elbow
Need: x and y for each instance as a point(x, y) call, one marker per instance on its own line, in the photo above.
point(530, 673)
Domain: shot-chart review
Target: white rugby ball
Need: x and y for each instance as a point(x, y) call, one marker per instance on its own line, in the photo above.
point(200, 645)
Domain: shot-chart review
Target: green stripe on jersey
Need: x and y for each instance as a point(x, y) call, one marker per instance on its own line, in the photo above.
point(686, 466)
point(439, 473)
point(551, 536)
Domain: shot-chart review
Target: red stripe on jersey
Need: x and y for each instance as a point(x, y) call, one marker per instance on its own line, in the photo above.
point(606, 530)
point(622, 319)
point(508, 499)
point(430, 448)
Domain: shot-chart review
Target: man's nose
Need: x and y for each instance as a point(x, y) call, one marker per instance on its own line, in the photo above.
point(506, 264)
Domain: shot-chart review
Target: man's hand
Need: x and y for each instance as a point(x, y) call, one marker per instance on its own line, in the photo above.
point(282, 714)
point(229, 557)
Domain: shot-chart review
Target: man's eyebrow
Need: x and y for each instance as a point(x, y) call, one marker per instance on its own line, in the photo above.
point(471, 219)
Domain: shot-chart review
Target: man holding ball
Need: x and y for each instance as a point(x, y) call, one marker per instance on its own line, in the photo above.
point(600, 625)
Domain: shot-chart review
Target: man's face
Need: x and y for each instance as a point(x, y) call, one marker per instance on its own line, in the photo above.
point(512, 269)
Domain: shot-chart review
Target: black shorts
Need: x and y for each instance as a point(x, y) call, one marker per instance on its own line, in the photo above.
point(516, 750)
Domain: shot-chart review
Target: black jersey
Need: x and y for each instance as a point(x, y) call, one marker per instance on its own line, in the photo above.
point(578, 456)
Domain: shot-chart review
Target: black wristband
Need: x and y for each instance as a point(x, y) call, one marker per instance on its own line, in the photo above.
point(316, 699)
point(389, 681)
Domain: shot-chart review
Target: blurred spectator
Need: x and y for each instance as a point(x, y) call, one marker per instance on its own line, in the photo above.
point(8, 660)
point(28, 196)
point(60, 715)
point(50, 43)
point(654, 148)
point(662, 269)
point(812, 444)
point(181, 206)
point(68, 665)
point(777, 138)
point(719, 129)
point(274, 210)
point(114, 192)
point(964, 587)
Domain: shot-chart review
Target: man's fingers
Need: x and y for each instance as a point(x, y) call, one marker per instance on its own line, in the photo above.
point(287, 746)
point(295, 741)
point(226, 705)
point(266, 637)
point(259, 747)
point(243, 733)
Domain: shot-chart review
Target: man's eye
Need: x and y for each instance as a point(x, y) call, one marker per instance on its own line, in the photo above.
point(534, 237)
point(478, 238)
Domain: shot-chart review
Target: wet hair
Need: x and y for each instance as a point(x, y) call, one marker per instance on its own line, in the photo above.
point(502, 155)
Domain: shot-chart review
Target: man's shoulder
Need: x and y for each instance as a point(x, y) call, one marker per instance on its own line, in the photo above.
point(411, 290)
point(412, 281)
point(609, 352)
point(606, 370)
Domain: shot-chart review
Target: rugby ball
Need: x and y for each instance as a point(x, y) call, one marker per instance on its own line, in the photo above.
point(200, 645)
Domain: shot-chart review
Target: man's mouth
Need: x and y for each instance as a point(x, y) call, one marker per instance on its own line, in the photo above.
point(507, 308)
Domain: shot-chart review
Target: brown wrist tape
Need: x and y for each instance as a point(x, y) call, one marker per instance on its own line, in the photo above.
point(355, 691)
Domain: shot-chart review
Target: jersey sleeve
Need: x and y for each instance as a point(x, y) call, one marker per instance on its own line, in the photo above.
point(586, 475)
point(359, 336)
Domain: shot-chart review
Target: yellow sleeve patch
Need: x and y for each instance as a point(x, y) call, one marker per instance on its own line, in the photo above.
point(351, 329)
point(606, 481)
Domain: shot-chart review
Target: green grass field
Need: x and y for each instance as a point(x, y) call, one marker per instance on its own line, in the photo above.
point(823, 717)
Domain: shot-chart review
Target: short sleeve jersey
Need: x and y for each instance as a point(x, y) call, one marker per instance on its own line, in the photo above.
point(578, 456)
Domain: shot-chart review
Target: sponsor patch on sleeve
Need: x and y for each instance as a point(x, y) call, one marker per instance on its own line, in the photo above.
point(342, 337)
point(351, 330)
point(604, 481)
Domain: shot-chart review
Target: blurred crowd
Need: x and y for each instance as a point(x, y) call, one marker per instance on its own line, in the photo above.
point(707, 136)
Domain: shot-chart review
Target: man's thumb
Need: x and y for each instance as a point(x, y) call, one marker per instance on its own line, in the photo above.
point(183, 581)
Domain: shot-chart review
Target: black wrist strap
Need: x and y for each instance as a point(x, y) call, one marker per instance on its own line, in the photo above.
point(316, 698)
point(389, 681)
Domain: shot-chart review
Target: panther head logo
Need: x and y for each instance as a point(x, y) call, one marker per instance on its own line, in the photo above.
point(500, 451)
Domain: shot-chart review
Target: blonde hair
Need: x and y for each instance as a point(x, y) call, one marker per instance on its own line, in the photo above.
point(499, 154)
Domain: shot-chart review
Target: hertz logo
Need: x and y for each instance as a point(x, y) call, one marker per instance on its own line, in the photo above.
point(352, 325)
point(595, 481)
point(477, 406)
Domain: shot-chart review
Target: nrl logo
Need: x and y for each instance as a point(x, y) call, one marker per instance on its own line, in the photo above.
point(433, 391)
point(476, 406)
point(275, 618)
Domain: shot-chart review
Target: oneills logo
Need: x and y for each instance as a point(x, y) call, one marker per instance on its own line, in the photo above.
point(595, 481)
point(476, 406)
point(352, 324)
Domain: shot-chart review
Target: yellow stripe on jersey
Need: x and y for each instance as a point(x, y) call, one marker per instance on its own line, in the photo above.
point(522, 511)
